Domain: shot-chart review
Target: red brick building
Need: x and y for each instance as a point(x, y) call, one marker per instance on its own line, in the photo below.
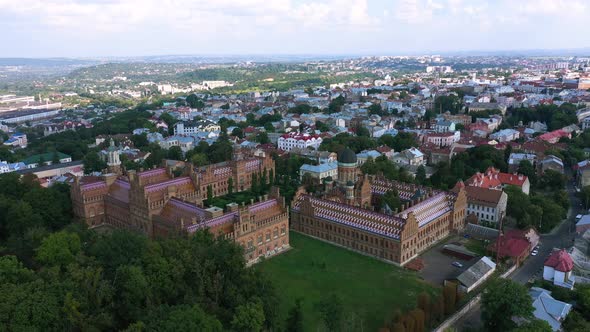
point(344, 215)
point(157, 203)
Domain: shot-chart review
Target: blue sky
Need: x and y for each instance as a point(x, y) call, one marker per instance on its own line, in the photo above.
point(87, 28)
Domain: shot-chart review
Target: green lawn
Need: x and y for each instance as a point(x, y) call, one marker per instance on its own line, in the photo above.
point(476, 246)
point(370, 288)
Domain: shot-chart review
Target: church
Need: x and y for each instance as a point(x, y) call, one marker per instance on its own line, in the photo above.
point(346, 213)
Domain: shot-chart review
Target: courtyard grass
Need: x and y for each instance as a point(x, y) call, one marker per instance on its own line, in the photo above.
point(476, 246)
point(369, 288)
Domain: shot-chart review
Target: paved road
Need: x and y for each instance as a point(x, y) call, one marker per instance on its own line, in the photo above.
point(561, 237)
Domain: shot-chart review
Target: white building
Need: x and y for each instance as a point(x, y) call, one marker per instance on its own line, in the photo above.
point(488, 205)
point(319, 172)
point(411, 156)
point(505, 135)
point(188, 128)
point(297, 140)
point(558, 268)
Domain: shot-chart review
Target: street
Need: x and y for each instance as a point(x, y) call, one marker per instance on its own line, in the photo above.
point(560, 237)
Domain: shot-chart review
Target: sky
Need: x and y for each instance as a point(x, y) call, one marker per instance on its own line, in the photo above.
point(93, 28)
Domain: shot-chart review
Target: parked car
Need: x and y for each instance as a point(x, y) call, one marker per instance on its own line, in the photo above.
point(457, 264)
point(534, 252)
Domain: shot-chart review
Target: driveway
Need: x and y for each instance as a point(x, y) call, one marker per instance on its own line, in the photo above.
point(438, 265)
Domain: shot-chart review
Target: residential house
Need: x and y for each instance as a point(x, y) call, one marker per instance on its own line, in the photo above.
point(554, 136)
point(17, 140)
point(549, 309)
point(583, 224)
point(488, 205)
point(515, 244)
point(505, 135)
point(320, 171)
point(442, 139)
point(6, 167)
point(444, 126)
point(553, 163)
point(411, 156)
point(558, 268)
point(582, 170)
point(478, 107)
point(365, 155)
point(494, 179)
point(515, 159)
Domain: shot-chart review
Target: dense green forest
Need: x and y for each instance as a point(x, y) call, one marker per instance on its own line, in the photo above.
point(56, 275)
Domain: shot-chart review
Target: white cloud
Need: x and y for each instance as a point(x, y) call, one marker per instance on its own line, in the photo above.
point(202, 15)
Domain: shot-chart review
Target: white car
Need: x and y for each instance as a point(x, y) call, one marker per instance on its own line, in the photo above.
point(535, 252)
point(457, 264)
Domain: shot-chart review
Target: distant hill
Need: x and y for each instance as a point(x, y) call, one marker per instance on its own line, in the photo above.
point(49, 62)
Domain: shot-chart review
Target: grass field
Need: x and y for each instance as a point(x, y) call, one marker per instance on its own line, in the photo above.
point(371, 289)
point(476, 246)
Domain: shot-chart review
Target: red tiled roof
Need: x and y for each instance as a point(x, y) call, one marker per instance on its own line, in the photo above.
point(560, 261)
point(493, 178)
point(512, 247)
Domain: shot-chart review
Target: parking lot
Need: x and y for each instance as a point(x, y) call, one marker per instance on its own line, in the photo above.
point(438, 266)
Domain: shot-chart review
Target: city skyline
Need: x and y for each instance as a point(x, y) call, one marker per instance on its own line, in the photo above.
point(98, 28)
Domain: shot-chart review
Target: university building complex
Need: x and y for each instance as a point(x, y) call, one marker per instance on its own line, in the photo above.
point(158, 203)
point(344, 214)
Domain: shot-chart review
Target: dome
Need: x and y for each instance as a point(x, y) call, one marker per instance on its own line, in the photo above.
point(347, 156)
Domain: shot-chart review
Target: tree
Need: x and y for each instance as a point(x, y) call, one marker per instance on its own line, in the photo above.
point(238, 132)
point(59, 249)
point(336, 104)
point(54, 158)
point(132, 292)
point(194, 102)
point(169, 120)
point(575, 322)
point(398, 327)
point(552, 180)
point(534, 325)
point(209, 194)
point(295, 318)
point(93, 163)
point(450, 297)
point(450, 103)
point(424, 303)
point(391, 199)
point(376, 109)
point(362, 131)
point(181, 318)
point(248, 317)
point(140, 141)
point(321, 126)
point(262, 138)
point(526, 168)
point(230, 185)
point(421, 174)
point(199, 159)
point(331, 311)
point(503, 300)
point(175, 153)
point(12, 271)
